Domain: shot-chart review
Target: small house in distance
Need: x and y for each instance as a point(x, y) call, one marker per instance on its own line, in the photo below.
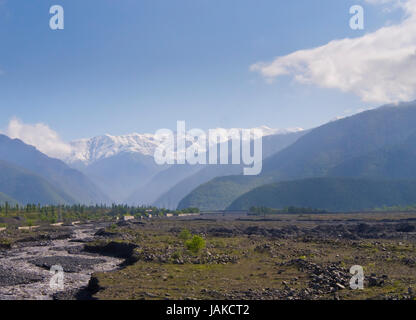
point(127, 218)
point(28, 228)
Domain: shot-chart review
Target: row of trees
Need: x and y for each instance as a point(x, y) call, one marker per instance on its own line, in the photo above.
point(411, 208)
point(120, 210)
point(289, 210)
point(35, 213)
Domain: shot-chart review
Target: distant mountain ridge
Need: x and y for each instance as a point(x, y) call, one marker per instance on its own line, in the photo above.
point(391, 162)
point(19, 185)
point(350, 147)
point(108, 168)
point(87, 151)
point(121, 175)
point(271, 145)
point(331, 194)
point(124, 168)
point(71, 185)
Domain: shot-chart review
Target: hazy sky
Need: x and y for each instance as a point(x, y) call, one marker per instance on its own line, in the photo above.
point(126, 66)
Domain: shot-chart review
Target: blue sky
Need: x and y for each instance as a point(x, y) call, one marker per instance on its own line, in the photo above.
point(125, 66)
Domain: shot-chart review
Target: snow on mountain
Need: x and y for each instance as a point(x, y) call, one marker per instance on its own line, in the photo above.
point(88, 151)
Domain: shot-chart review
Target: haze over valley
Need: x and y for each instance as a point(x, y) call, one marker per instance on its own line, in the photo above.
point(375, 145)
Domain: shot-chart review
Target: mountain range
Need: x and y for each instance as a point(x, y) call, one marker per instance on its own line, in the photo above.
point(23, 186)
point(330, 194)
point(87, 151)
point(376, 144)
point(367, 160)
point(124, 168)
point(29, 176)
point(105, 169)
point(271, 145)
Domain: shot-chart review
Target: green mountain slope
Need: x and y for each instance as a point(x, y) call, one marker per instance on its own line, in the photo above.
point(317, 153)
point(332, 194)
point(220, 192)
point(336, 142)
point(57, 173)
point(26, 187)
point(396, 162)
point(171, 199)
point(271, 145)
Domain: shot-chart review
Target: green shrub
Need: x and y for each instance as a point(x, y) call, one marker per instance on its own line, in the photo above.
point(185, 235)
point(195, 245)
point(5, 242)
point(30, 222)
point(176, 255)
point(113, 227)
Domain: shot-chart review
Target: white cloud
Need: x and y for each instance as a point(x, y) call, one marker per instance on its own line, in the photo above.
point(378, 67)
point(39, 135)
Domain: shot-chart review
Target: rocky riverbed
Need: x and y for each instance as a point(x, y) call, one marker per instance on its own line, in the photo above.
point(25, 269)
point(284, 257)
point(281, 257)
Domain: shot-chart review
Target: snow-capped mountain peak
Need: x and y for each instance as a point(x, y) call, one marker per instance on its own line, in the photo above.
point(90, 150)
point(87, 151)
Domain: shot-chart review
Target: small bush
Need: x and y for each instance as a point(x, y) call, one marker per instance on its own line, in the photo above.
point(195, 245)
point(185, 235)
point(113, 227)
point(30, 222)
point(176, 255)
point(4, 242)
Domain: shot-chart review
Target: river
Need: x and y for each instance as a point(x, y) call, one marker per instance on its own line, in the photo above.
point(25, 269)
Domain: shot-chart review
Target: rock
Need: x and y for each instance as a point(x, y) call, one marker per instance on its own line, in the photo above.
point(69, 264)
point(405, 227)
point(10, 277)
point(373, 281)
point(150, 295)
point(340, 286)
point(112, 249)
point(94, 285)
point(103, 233)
